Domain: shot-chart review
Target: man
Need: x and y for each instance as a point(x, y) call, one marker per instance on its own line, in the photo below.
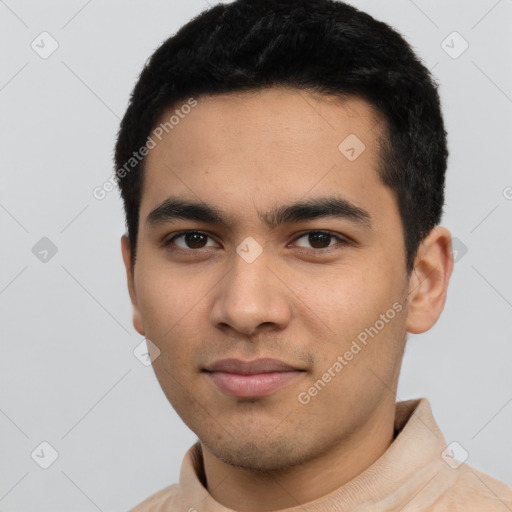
point(282, 169)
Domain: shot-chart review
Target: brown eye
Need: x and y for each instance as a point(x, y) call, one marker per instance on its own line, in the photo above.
point(195, 240)
point(319, 240)
point(189, 240)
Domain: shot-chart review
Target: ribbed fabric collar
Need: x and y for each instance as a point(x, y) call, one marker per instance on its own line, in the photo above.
point(412, 460)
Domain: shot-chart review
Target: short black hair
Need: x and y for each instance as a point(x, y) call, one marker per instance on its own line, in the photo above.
point(321, 46)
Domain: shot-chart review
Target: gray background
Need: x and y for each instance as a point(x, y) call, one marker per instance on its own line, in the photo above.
point(68, 375)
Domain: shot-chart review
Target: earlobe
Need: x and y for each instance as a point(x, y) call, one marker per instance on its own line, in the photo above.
point(138, 324)
point(429, 280)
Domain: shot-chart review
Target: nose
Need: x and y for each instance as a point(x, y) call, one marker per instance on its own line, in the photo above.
point(251, 297)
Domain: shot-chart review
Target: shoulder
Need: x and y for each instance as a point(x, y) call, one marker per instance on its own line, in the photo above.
point(474, 491)
point(159, 501)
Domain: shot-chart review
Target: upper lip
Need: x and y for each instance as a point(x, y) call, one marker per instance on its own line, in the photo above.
point(239, 366)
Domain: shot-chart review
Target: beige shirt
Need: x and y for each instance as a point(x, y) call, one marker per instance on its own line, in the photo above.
point(416, 473)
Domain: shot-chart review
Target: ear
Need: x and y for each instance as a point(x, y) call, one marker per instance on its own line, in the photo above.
point(428, 284)
point(137, 317)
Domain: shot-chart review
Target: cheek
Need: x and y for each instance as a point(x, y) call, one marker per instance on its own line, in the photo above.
point(360, 308)
point(342, 300)
point(163, 309)
point(165, 296)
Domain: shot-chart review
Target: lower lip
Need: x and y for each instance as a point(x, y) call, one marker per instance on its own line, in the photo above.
point(251, 386)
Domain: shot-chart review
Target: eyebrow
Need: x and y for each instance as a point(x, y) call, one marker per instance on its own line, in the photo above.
point(174, 208)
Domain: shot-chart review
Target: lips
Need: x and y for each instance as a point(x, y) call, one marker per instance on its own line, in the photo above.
point(238, 366)
point(251, 379)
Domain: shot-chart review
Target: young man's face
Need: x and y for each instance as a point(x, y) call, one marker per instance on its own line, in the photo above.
point(307, 299)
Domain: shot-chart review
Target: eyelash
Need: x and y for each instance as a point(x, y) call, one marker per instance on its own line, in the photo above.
point(341, 241)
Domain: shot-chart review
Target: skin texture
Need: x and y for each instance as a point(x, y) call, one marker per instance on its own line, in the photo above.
point(298, 302)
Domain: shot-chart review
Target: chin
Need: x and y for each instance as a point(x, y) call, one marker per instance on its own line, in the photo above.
point(263, 455)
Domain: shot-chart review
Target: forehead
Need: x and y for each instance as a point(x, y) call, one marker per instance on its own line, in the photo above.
point(267, 147)
point(278, 118)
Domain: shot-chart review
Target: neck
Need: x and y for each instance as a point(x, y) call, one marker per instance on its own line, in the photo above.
point(244, 489)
